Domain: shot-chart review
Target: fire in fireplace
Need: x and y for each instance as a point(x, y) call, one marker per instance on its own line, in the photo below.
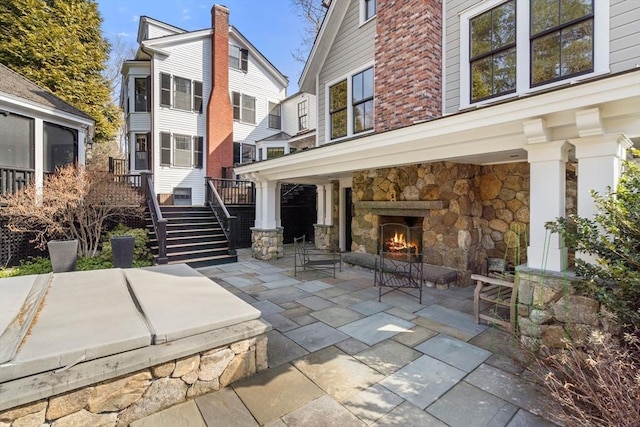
point(400, 238)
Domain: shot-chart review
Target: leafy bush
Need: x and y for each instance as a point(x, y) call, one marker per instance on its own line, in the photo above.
point(613, 237)
point(596, 383)
point(141, 253)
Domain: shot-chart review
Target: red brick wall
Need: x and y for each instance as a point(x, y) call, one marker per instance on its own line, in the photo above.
point(408, 59)
point(219, 110)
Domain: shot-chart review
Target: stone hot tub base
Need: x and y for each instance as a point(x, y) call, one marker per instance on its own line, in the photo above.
point(199, 338)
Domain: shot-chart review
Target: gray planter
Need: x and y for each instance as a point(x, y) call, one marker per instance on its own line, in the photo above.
point(63, 255)
point(122, 251)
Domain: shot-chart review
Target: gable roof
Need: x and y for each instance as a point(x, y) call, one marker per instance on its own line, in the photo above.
point(324, 40)
point(18, 86)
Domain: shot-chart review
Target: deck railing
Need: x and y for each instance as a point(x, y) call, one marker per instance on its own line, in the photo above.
point(159, 223)
point(234, 191)
point(228, 222)
point(14, 179)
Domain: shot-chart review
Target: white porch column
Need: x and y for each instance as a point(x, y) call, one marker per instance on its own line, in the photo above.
point(547, 202)
point(38, 136)
point(599, 165)
point(258, 221)
point(268, 206)
point(328, 204)
point(320, 202)
point(278, 201)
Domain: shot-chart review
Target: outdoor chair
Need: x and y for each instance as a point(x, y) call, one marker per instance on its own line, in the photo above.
point(502, 294)
point(398, 272)
point(308, 257)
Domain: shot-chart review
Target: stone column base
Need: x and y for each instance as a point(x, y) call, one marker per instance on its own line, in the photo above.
point(267, 244)
point(326, 236)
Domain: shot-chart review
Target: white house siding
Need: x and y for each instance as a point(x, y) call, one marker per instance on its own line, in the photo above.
point(190, 60)
point(624, 48)
point(290, 113)
point(154, 31)
point(354, 46)
point(259, 83)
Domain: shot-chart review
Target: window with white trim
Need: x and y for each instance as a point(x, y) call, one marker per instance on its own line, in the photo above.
point(303, 119)
point(368, 10)
point(181, 150)
point(275, 115)
point(350, 105)
point(517, 46)
point(184, 94)
point(244, 107)
point(238, 58)
point(142, 103)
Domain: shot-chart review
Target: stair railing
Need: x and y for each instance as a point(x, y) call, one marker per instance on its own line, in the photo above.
point(289, 188)
point(159, 223)
point(228, 222)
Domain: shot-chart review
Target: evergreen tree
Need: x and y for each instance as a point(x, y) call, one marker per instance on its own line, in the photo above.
point(58, 44)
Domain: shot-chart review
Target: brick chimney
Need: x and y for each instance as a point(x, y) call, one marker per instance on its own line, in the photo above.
point(219, 110)
point(408, 57)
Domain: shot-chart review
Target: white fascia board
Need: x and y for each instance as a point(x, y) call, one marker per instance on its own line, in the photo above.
point(489, 129)
point(128, 65)
point(322, 45)
point(155, 22)
point(262, 60)
point(27, 106)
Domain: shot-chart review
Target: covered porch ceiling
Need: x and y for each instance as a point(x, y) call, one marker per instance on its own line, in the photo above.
point(490, 134)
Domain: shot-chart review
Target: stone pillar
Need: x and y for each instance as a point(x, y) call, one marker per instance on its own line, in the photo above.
point(599, 165)
point(267, 235)
point(325, 236)
point(547, 161)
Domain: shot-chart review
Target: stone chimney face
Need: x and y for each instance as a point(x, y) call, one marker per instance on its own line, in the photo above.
point(219, 109)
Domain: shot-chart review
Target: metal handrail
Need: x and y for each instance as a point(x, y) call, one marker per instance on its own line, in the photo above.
point(159, 223)
point(228, 222)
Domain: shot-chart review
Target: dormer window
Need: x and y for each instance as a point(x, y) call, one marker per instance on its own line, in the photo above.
point(238, 58)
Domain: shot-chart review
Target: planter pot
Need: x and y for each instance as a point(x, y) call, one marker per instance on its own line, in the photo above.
point(63, 255)
point(122, 250)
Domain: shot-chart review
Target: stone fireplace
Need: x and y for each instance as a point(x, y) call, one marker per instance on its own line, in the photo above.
point(466, 212)
point(400, 235)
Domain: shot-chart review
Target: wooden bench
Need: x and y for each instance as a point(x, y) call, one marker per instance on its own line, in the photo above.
point(309, 258)
point(500, 293)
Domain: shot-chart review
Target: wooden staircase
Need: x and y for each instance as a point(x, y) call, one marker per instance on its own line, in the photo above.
point(194, 237)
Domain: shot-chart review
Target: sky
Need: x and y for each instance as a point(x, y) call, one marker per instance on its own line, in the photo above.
point(272, 26)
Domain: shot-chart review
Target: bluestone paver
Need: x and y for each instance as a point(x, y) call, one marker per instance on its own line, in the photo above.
point(274, 284)
point(452, 318)
point(423, 381)
point(388, 356)
point(351, 346)
point(316, 336)
point(276, 392)
point(480, 408)
point(223, 408)
point(280, 322)
point(454, 352)
point(322, 412)
point(527, 419)
point(315, 303)
point(281, 349)
point(267, 307)
point(185, 415)
point(369, 307)
point(378, 327)
point(407, 415)
point(338, 374)
point(336, 316)
point(314, 286)
point(414, 336)
point(372, 403)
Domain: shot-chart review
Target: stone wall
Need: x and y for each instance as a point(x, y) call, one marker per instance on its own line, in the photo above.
point(267, 244)
point(122, 400)
point(326, 236)
point(481, 207)
point(550, 311)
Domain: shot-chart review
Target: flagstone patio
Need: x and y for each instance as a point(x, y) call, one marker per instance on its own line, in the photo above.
point(338, 357)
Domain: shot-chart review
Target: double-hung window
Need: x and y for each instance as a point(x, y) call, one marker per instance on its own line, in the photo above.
point(493, 52)
point(244, 107)
point(183, 95)
point(368, 10)
point(351, 105)
point(238, 58)
point(275, 116)
point(513, 46)
point(142, 98)
point(303, 120)
point(561, 39)
point(181, 150)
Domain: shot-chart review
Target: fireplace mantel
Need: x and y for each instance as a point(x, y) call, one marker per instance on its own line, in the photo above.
point(415, 208)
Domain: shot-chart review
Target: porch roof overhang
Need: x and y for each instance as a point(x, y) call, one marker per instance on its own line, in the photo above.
point(489, 134)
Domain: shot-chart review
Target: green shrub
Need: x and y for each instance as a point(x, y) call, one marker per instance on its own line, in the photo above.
point(36, 265)
point(141, 254)
point(613, 237)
